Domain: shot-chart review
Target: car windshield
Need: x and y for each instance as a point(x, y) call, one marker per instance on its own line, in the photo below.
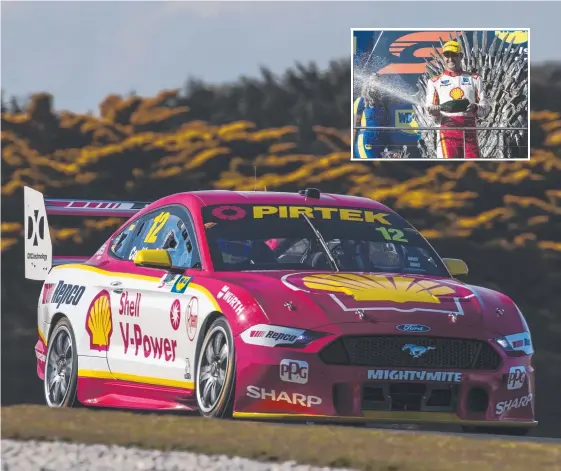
point(279, 237)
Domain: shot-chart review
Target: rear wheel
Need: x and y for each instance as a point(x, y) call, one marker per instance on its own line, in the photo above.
point(61, 367)
point(216, 371)
point(516, 431)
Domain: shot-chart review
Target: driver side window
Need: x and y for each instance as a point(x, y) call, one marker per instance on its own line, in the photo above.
point(168, 229)
point(120, 244)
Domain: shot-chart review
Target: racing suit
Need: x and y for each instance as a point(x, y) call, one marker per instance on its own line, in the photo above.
point(369, 144)
point(457, 85)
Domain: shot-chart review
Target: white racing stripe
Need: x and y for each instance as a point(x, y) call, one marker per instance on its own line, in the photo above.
point(34, 455)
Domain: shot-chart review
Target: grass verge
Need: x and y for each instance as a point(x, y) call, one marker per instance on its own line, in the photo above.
point(364, 449)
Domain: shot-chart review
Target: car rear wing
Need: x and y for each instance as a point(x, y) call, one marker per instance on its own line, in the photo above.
point(38, 245)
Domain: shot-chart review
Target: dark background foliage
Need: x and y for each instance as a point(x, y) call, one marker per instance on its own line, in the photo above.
point(503, 218)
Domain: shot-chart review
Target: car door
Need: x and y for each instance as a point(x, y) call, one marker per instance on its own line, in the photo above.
point(183, 298)
point(150, 309)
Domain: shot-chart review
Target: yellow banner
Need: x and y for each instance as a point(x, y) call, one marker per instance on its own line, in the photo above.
point(321, 212)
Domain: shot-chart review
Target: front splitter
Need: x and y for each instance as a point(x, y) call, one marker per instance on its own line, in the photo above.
point(388, 416)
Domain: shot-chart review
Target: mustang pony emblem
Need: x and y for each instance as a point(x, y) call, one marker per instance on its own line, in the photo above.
point(416, 351)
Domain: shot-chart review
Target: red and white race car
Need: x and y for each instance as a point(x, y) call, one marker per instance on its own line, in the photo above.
point(274, 305)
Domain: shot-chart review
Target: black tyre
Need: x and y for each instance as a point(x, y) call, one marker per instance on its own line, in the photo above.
point(61, 366)
point(216, 371)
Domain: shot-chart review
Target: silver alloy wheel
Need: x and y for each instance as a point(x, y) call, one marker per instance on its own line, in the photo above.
point(58, 367)
point(213, 365)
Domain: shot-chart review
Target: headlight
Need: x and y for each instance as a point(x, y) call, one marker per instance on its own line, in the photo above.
point(268, 335)
point(516, 344)
point(304, 339)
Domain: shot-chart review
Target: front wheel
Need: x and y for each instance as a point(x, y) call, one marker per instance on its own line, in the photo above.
point(215, 376)
point(61, 366)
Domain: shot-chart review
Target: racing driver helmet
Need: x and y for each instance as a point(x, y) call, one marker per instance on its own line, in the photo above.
point(234, 251)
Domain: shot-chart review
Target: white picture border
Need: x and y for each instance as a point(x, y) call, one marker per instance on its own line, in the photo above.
point(451, 30)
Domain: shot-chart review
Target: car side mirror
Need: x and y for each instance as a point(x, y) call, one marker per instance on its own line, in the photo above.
point(456, 266)
point(153, 258)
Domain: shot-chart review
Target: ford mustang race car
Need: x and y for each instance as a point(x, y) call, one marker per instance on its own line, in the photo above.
point(310, 306)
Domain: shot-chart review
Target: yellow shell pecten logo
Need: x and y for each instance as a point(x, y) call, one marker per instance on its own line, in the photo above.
point(515, 37)
point(99, 323)
point(456, 93)
point(397, 289)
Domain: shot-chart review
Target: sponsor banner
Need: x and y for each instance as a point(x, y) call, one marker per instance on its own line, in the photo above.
point(415, 375)
point(135, 340)
point(37, 256)
point(376, 292)
point(282, 396)
point(181, 284)
point(176, 284)
point(167, 281)
point(270, 335)
point(294, 371)
point(99, 322)
point(175, 314)
point(37, 245)
point(130, 306)
point(516, 377)
point(515, 403)
point(138, 343)
point(66, 293)
point(515, 37)
point(36, 229)
point(405, 120)
point(192, 318)
point(100, 251)
point(231, 299)
point(412, 328)
point(48, 289)
point(273, 212)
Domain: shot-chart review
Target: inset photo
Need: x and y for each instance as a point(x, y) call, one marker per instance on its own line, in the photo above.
point(440, 94)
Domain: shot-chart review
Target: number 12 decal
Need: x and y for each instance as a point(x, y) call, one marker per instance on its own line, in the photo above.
point(159, 222)
point(392, 234)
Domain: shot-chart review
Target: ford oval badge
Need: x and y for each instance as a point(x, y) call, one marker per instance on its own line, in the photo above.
point(412, 328)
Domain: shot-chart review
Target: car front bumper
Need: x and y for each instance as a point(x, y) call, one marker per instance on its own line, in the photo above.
point(307, 389)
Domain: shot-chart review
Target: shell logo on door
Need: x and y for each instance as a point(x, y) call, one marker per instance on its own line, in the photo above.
point(99, 323)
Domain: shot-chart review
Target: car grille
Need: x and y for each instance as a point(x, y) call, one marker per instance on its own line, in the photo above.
point(388, 351)
point(409, 397)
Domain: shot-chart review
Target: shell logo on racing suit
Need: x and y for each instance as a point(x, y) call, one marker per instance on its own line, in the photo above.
point(457, 93)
